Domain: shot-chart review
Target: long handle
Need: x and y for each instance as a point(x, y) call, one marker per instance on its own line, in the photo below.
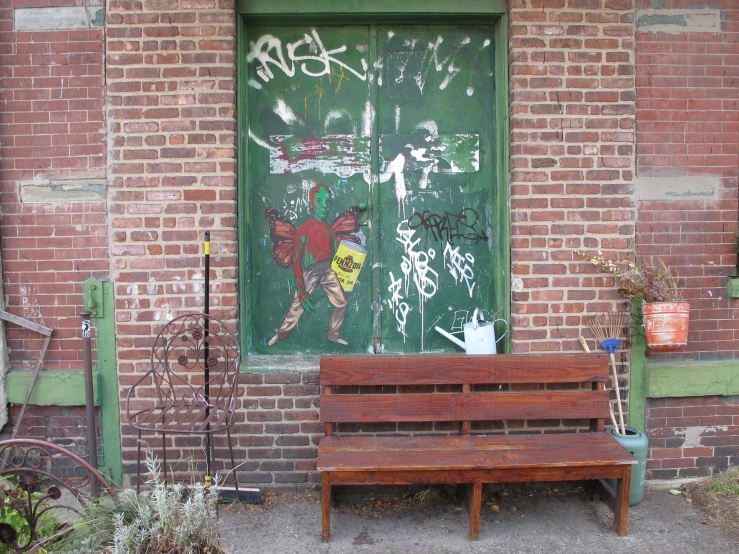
point(206, 353)
point(613, 417)
point(618, 393)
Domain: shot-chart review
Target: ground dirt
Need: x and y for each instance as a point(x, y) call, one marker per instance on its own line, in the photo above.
point(529, 519)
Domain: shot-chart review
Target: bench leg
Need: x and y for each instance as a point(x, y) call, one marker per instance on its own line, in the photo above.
point(326, 507)
point(474, 503)
point(621, 508)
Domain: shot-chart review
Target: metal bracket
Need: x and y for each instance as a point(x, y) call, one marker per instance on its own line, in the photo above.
point(94, 297)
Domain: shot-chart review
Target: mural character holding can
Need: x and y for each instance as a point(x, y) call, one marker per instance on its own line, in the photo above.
point(309, 250)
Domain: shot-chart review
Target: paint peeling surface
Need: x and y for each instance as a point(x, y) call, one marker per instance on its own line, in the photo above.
point(342, 155)
point(445, 153)
point(400, 130)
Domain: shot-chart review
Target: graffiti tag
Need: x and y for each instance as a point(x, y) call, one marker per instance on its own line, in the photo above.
point(399, 308)
point(449, 226)
point(460, 266)
point(268, 50)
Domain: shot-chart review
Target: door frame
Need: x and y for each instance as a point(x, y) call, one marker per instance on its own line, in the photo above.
point(366, 12)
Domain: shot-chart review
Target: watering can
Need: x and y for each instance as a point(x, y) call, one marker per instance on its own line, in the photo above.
point(479, 335)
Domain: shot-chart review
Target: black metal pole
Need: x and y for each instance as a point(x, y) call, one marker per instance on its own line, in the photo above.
point(89, 399)
point(206, 326)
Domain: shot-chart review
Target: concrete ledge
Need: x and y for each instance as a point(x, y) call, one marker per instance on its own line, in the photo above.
point(80, 190)
point(58, 19)
point(682, 187)
point(280, 364)
point(52, 388)
point(679, 21)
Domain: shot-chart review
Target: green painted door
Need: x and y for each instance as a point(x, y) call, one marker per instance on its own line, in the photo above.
point(370, 186)
point(436, 182)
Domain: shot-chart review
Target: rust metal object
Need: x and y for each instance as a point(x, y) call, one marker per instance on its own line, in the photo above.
point(42, 472)
point(180, 403)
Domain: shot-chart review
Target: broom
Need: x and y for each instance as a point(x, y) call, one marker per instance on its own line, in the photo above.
point(607, 329)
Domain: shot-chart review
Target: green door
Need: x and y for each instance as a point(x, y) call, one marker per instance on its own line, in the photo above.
point(370, 184)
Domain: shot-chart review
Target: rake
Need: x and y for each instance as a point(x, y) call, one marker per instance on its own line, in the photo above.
point(607, 329)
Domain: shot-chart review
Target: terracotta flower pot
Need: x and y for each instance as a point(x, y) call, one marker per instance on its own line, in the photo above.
point(666, 325)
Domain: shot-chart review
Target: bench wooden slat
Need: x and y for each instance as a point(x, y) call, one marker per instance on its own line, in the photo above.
point(493, 475)
point(472, 452)
point(340, 408)
point(456, 369)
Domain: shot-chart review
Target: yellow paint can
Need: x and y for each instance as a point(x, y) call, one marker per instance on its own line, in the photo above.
point(348, 262)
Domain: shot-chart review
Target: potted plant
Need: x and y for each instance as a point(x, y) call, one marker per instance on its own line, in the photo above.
point(665, 314)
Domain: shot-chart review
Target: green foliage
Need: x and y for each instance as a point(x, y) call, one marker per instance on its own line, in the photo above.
point(726, 482)
point(421, 496)
point(173, 519)
point(14, 506)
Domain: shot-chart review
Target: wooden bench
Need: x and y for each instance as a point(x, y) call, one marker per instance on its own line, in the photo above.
point(485, 388)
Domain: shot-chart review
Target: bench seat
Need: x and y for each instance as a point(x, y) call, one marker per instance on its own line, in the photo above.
point(359, 392)
point(429, 453)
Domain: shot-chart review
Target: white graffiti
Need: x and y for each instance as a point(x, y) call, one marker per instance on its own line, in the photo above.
point(268, 50)
point(460, 318)
point(423, 62)
point(399, 308)
point(460, 267)
point(416, 268)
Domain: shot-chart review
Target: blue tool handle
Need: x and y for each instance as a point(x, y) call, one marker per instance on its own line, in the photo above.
point(610, 345)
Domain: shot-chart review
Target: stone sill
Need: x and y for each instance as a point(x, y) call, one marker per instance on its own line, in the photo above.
point(280, 364)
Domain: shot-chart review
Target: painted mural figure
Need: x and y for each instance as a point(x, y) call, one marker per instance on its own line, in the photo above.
point(309, 249)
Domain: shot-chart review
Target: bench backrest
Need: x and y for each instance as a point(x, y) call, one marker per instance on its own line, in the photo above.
point(538, 387)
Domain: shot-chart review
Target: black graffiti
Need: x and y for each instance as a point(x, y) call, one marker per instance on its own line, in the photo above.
point(448, 227)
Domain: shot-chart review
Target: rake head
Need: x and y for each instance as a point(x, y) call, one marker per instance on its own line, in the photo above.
point(608, 329)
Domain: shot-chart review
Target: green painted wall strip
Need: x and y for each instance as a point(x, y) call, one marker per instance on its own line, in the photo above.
point(242, 185)
point(503, 250)
point(53, 388)
point(375, 246)
point(692, 379)
point(109, 391)
point(370, 7)
point(637, 392)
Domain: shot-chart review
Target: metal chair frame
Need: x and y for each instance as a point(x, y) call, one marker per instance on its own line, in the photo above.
point(185, 402)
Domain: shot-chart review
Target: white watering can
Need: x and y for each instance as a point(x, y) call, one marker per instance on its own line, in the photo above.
point(479, 335)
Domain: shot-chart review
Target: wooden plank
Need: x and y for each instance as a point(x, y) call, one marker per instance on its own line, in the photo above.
point(474, 503)
point(326, 507)
point(475, 452)
point(496, 475)
point(459, 369)
point(341, 408)
point(621, 512)
point(7, 316)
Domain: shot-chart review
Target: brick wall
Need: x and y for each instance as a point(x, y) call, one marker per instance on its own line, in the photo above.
point(692, 437)
point(52, 155)
point(572, 103)
point(164, 141)
point(51, 137)
point(171, 105)
point(688, 126)
point(572, 157)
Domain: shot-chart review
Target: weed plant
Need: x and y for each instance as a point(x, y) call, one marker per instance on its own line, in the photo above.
point(174, 519)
